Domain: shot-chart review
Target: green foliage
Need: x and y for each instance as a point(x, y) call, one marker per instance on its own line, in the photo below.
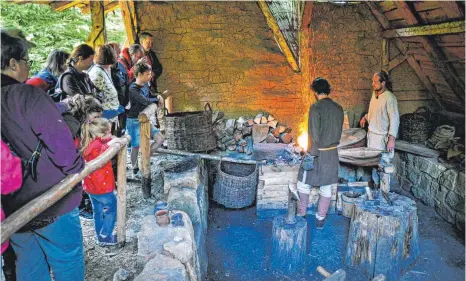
point(51, 30)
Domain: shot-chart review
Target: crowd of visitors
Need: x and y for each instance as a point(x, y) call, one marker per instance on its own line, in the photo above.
point(53, 122)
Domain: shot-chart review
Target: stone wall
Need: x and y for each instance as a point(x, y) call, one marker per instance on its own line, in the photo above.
point(224, 53)
point(434, 184)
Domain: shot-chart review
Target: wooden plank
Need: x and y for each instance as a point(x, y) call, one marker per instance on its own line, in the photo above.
point(385, 54)
point(393, 15)
point(433, 29)
point(452, 9)
point(386, 6)
point(121, 195)
point(434, 16)
point(98, 35)
point(41, 203)
point(421, 6)
point(129, 19)
point(412, 96)
point(405, 11)
point(417, 149)
point(272, 23)
point(379, 16)
point(396, 61)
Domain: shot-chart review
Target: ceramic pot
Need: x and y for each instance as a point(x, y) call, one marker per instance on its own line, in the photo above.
point(162, 217)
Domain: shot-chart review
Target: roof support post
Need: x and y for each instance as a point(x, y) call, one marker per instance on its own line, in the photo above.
point(98, 35)
point(129, 19)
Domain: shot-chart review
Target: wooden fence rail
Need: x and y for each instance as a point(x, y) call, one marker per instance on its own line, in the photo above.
point(32, 209)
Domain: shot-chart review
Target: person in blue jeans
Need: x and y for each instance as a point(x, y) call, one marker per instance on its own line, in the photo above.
point(139, 97)
point(52, 241)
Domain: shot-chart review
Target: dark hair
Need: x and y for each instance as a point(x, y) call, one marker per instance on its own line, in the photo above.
point(383, 77)
point(144, 35)
point(84, 51)
point(133, 49)
point(12, 48)
point(141, 67)
point(115, 46)
point(56, 61)
point(321, 86)
point(105, 55)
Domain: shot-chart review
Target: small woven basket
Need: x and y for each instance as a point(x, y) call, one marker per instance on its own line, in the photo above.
point(235, 185)
point(416, 127)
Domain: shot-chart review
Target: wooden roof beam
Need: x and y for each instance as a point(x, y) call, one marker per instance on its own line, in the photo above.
point(380, 17)
point(433, 29)
point(438, 57)
point(129, 19)
point(272, 23)
point(63, 5)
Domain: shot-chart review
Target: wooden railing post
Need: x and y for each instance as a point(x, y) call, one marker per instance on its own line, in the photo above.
point(121, 195)
point(144, 147)
point(39, 204)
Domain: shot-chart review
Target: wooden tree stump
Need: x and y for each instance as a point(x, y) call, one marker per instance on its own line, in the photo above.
point(288, 246)
point(383, 239)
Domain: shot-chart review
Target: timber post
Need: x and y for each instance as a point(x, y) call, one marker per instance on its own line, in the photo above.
point(39, 204)
point(121, 195)
point(144, 121)
point(98, 36)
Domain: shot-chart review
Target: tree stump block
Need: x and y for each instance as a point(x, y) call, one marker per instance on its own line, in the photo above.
point(288, 246)
point(383, 238)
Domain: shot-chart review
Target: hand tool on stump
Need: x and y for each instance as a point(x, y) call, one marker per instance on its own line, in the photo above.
point(289, 236)
point(339, 275)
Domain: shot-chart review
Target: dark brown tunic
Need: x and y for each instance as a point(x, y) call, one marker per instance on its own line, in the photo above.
point(325, 126)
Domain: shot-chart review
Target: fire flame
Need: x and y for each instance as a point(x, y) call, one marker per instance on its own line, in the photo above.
point(303, 137)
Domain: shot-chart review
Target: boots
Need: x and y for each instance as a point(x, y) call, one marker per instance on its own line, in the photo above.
point(322, 209)
point(302, 204)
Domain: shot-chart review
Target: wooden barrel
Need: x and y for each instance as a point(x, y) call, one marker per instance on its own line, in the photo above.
point(190, 131)
point(347, 199)
point(383, 238)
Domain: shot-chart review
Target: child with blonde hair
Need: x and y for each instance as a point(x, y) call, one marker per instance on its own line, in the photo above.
point(95, 140)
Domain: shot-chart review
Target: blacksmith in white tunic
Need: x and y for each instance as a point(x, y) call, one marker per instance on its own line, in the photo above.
point(383, 119)
point(383, 116)
point(325, 126)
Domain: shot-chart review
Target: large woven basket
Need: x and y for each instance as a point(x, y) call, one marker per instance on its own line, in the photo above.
point(190, 131)
point(416, 127)
point(235, 186)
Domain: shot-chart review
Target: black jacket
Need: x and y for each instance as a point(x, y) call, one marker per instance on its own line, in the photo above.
point(138, 96)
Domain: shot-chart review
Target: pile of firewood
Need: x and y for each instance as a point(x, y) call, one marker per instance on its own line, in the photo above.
point(240, 134)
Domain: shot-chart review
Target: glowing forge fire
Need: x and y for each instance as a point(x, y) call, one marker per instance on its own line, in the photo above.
point(303, 137)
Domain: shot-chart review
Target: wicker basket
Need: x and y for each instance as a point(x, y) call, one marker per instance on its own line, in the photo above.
point(416, 127)
point(190, 131)
point(235, 186)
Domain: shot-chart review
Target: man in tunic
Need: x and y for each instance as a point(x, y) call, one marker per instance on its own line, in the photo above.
point(383, 118)
point(325, 126)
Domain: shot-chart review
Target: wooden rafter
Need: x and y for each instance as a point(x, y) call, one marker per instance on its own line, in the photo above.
point(434, 29)
point(380, 17)
point(63, 5)
point(438, 57)
point(272, 23)
point(396, 61)
point(109, 6)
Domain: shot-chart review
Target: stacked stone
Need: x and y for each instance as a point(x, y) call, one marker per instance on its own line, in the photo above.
point(434, 184)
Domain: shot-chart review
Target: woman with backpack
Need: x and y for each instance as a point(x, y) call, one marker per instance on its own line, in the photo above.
point(47, 78)
point(74, 81)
